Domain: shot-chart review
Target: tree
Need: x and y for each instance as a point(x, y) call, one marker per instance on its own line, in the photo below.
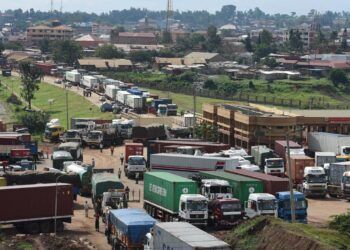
point(142, 56)
point(270, 62)
point(213, 41)
point(44, 46)
point(265, 37)
point(67, 52)
point(338, 76)
point(30, 76)
point(295, 41)
point(108, 51)
point(248, 43)
point(166, 37)
point(34, 121)
point(210, 84)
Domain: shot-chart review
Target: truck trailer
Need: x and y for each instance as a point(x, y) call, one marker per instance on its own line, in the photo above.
point(73, 77)
point(328, 142)
point(135, 102)
point(89, 82)
point(339, 180)
point(38, 213)
point(111, 92)
point(298, 164)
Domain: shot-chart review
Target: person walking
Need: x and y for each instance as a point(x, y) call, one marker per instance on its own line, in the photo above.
point(97, 222)
point(93, 162)
point(112, 150)
point(101, 147)
point(137, 175)
point(119, 173)
point(121, 157)
point(86, 209)
point(127, 190)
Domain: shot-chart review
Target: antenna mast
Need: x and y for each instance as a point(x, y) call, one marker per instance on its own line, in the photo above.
point(170, 13)
point(51, 6)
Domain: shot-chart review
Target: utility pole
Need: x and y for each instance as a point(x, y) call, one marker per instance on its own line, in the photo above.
point(51, 6)
point(194, 109)
point(292, 205)
point(67, 109)
point(61, 9)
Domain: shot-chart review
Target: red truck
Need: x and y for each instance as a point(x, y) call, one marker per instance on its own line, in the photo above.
point(19, 154)
point(132, 149)
point(281, 147)
point(298, 164)
point(37, 213)
point(225, 212)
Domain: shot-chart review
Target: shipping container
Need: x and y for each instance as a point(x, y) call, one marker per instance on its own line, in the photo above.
point(336, 171)
point(45, 67)
point(260, 154)
point(111, 92)
point(187, 165)
point(132, 149)
point(89, 82)
point(35, 202)
point(164, 189)
point(102, 182)
point(151, 132)
point(324, 157)
point(328, 142)
point(281, 148)
point(134, 102)
point(73, 77)
point(135, 92)
point(298, 164)
point(272, 184)
point(242, 186)
point(122, 96)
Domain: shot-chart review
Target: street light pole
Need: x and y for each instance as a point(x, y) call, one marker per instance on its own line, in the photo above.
point(292, 205)
point(55, 228)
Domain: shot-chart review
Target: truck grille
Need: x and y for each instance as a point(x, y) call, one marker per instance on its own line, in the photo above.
point(197, 216)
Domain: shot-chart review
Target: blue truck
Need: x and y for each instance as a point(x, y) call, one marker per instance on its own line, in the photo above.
point(283, 206)
point(135, 92)
point(127, 228)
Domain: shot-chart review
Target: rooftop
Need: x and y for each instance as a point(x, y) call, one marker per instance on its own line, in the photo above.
point(137, 34)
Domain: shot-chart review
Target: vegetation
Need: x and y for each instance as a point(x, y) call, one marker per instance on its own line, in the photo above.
point(108, 51)
point(30, 77)
point(207, 132)
point(338, 76)
point(66, 52)
point(34, 121)
point(341, 223)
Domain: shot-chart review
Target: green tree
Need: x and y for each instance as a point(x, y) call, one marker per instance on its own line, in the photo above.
point(213, 41)
point(248, 43)
point(210, 84)
point(265, 37)
point(30, 76)
point(338, 76)
point(270, 62)
point(108, 51)
point(341, 223)
point(34, 121)
point(295, 41)
point(45, 46)
point(142, 56)
point(14, 46)
point(67, 52)
point(166, 37)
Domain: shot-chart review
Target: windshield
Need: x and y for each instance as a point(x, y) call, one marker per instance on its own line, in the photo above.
point(197, 205)
point(346, 151)
point(72, 134)
point(266, 204)
point(229, 207)
point(220, 190)
point(274, 163)
point(81, 126)
point(346, 180)
point(137, 161)
point(126, 126)
point(298, 204)
point(315, 178)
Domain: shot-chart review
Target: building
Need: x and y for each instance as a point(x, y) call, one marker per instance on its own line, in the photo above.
point(202, 58)
point(308, 35)
point(246, 126)
point(89, 41)
point(36, 34)
point(98, 64)
point(144, 38)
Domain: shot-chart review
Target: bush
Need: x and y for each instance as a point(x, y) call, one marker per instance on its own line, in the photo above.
point(13, 99)
point(341, 223)
point(34, 121)
point(338, 76)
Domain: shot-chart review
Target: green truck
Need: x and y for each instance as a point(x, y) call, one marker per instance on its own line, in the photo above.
point(168, 197)
point(103, 182)
point(242, 186)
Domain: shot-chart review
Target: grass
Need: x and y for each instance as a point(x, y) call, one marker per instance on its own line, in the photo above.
point(25, 246)
point(78, 105)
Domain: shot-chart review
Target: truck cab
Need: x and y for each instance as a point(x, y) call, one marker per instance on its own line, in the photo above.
point(345, 185)
point(136, 164)
point(345, 151)
point(162, 110)
point(53, 132)
point(224, 212)
point(71, 135)
point(113, 199)
point(283, 206)
point(215, 189)
point(315, 183)
point(93, 139)
point(193, 208)
point(260, 204)
point(274, 166)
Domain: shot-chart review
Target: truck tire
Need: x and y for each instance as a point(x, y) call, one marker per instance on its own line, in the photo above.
point(32, 228)
point(46, 227)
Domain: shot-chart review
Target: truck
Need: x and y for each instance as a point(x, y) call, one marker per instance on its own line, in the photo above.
point(329, 142)
point(89, 82)
point(73, 77)
point(260, 153)
point(187, 165)
point(122, 97)
point(168, 197)
point(37, 216)
point(315, 182)
point(59, 157)
point(339, 180)
point(157, 102)
point(214, 189)
point(283, 206)
point(135, 151)
point(171, 109)
point(136, 166)
point(127, 228)
point(93, 139)
point(274, 166)
point(135, 102)
point(272, 184)
point(260, 204)
point(71, 135)
point(281, 147)
point(225, 212)
point(111, 92)
point(152, 132)
point(298, 164)
point(73, 148)
point(85, 173)
point(53, 132)
point(242, 186)
point(322, 158)
point(181, 235)
point(162, 110)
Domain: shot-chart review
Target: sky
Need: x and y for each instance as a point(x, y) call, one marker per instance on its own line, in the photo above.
point(98, 6)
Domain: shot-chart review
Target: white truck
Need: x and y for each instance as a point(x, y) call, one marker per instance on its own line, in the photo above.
point(122, 96)
point(111, 92)
point(136, 165)
point(181, 235)
point(328, 142)
point(134, 102)
point(260, 204)
point(315, 183)
point(89, 82)
point(274, 166)
point(215, 189)
point(339, 180)
point(73, 77)
point(322, 158)
point(187, 165)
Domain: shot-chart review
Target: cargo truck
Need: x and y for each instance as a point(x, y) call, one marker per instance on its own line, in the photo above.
point(59, 157)
point(135, 102)
point(89, 82)
point(274, 166)
point(328, 142)
point(283, 206)
point(37, 213)
point(111, 92)
point(122, 97)
point(322, 158)
point(242, 186)
point(134, 161)
point(226, 212)
point(73, 148)
point(339, 180)
point(73, 77)
point(127, 228)
point(281, 148)
point(315, 182)
point(152, 132)
point(260, 204)
point(187, 165)
point(298, 164)
point(214, 189)
point(85, 173)
point(170, 197)
point(181, 235)
point(260, 153)
point(272, 184)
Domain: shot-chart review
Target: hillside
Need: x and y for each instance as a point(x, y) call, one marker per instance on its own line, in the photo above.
point(270, 233)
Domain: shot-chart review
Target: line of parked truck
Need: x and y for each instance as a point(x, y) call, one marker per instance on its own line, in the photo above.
point(122, 94)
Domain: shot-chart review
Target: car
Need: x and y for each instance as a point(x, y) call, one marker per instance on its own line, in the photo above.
point(58, 81)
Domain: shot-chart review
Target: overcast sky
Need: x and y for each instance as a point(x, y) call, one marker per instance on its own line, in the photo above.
point(269, 6)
